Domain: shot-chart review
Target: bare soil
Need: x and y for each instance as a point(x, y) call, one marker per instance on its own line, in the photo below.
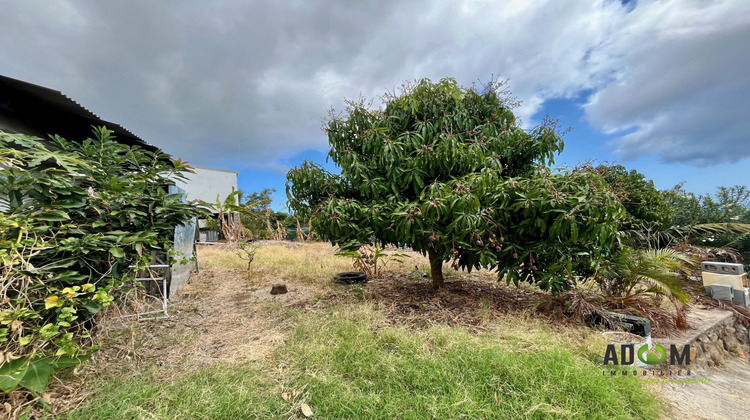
point(725, 397)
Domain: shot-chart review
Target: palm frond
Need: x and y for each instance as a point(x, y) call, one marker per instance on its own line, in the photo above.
point(647, 271)
point(707, 229)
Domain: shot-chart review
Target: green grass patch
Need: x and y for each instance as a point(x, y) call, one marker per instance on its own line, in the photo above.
point(350, 371)
point(216, 392)
point(344, 368)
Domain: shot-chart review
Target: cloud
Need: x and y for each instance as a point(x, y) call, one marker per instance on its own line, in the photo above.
point(680, 83)
point(248, 82)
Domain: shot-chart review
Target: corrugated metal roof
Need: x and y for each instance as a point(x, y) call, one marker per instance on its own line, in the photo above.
point(15, 88)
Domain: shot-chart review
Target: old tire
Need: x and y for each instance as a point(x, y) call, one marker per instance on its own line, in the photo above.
point(351, 277)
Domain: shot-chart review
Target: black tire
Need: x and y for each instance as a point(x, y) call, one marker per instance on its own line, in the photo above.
point(351, 277)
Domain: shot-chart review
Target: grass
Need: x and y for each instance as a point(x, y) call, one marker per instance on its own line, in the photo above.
point(344, 364)
point(217, 392)
point(308, 263)
point(520, 371)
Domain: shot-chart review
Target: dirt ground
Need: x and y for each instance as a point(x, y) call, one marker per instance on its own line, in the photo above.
point(227, 315)
point(725, 397)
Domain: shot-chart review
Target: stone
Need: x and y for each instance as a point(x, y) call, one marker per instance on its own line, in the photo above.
point(278, 289)
point(718, 358)
point(714, 355)
point(741, 333)
point(695, 352)
point(732, 345)
point(712, 336)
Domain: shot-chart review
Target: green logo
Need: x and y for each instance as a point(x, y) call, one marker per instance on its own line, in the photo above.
point(652, 357)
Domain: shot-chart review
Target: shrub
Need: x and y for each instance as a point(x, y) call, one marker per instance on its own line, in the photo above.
point(652, 271)
point(78, 215)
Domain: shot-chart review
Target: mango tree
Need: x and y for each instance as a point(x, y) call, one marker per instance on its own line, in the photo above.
point(450, 172)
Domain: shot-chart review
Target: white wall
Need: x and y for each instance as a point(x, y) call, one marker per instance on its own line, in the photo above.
point(206, 183)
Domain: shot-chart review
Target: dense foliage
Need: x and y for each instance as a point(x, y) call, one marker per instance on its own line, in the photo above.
point(75, 216)
point(651, 271)
point(449, 172)
point(646, 207)
point(729, 205)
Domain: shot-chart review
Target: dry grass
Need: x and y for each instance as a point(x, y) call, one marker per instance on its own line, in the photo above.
point(312, 263)
point(226, 317)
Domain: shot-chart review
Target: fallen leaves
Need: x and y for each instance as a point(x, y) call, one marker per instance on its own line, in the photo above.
point(306, 410)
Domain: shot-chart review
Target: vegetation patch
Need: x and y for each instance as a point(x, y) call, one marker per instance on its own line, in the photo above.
point(75, 217)
point(348, 362)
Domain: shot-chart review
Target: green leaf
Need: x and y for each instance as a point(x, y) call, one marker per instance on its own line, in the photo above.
point(117, 252)
point(91, 306)
point(61, 362)
point(53, 216)
point(11, 374)
point(16, 199)
point(37, 376)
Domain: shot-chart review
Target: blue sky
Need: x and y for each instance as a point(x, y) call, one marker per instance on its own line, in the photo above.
point(660, 86)
point(582, 143)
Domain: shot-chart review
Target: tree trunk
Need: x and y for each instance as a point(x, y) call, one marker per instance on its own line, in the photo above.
point(436, 269)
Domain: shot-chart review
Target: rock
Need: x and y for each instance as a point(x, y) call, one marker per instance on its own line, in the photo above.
point(278, 289)
point(718, 358)
point(712, 336)
point(741, 334)
point(732, 345)
point(695, 351)
point(713, 355)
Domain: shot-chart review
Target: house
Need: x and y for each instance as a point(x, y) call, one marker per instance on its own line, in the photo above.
point(35, 110)
point(209, 185)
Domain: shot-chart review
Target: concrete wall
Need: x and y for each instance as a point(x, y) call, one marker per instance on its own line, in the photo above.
point(206, 183)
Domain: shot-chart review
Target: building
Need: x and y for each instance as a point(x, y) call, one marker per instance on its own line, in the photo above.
point(35, 110)
point(209, 185)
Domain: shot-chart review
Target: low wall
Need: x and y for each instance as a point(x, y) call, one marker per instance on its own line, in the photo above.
point(727, 339)
point(717, 336)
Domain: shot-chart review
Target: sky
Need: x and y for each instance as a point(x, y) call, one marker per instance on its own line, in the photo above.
point(658, 86)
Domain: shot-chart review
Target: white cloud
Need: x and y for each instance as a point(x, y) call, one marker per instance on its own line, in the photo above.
point(230, 80)
point(680, 83)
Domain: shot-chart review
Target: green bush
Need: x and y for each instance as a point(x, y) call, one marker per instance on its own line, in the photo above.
point(76, 216)
point(652, 271)
point(449, 172)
